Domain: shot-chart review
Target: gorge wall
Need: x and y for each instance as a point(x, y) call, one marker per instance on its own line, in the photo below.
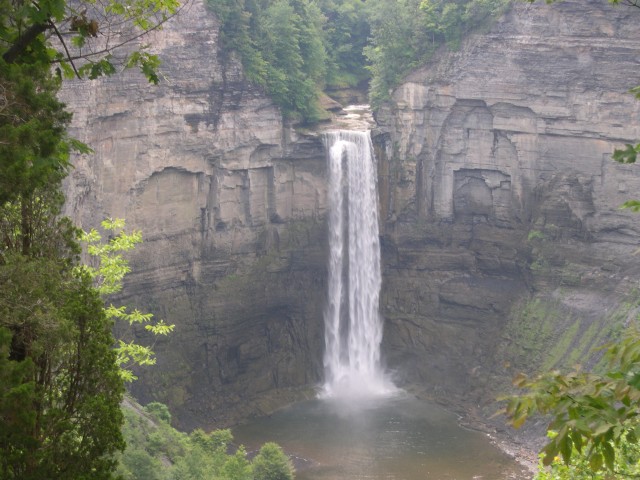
point(505, 248)
point(230, 202)
point(503, 245)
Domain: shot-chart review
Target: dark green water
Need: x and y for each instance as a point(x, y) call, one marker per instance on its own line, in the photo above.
point(399, 438)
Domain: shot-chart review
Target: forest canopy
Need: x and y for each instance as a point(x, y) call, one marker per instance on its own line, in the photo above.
point(296, 49)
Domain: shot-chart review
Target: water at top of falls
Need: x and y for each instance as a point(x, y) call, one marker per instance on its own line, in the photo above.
point(353, 326)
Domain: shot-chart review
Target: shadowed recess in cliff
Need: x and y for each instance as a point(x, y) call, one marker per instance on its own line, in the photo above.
point(353, 327)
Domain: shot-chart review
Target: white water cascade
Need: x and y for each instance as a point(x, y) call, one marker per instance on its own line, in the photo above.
point(353, 326)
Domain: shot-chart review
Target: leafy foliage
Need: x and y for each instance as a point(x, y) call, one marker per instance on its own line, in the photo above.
point(60, 389)
point(282, 47)
point(110, 269)
point(88, 34)
point(33, 142)
point(627, 465)
point(59, 399)
point(295, 48)
point(406, 33)
point(595, 415)
point(156, 451)
point(60, 385)
point(399, 42)
point(346, 32)
point(295, 56)
point(272, 464)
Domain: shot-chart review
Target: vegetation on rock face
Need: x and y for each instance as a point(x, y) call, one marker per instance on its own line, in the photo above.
point(296, 48)
point(406, 33)
point(282, 46)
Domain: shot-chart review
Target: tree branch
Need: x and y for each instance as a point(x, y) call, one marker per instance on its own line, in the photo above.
point(124, 42)
point(18, 48)
point(66, 50)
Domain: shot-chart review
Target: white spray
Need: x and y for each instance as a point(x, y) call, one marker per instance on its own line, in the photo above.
point(353, 326)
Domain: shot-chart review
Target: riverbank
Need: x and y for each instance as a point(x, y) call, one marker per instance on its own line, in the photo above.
point(522, 445)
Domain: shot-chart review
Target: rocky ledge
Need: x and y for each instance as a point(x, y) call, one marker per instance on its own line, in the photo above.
point(504, 245)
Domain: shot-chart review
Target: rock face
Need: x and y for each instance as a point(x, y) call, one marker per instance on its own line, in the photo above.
point(505, 247)
point(230, 202)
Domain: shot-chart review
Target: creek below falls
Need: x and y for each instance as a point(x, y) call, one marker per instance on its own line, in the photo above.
point(395, 437)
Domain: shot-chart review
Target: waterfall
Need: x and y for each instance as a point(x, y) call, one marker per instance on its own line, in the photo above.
point(353, 326)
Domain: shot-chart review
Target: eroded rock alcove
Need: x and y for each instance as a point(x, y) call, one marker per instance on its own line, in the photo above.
point(503, 244)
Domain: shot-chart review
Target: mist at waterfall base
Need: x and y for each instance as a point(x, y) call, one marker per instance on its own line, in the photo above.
point(361, 426)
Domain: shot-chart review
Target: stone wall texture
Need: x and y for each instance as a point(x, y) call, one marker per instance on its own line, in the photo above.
point(503, 227)
point(230, 202)
point(503, 244)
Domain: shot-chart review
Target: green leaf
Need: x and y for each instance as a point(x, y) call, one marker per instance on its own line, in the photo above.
point(609, 455)
point(66, 70)
point(577, 440)
point(633, 205)
point(566, 448)
point(98, 69)
point(78, 41)
point(549, 453)
point(595, 462)
point(628, 155)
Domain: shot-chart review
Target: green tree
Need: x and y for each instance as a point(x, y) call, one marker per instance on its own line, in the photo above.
point(155, 450)
point(237, 467)
point(159, 411)
point(406, 33)
point(108, 270)
point(294, 51)
point(33, 142)
point(60, 413)
point(61, 388)
point(626, 465)
point(346, 33)
point(271, 463)
point(206, 456)
point(399, 42)
point(60, 402)
point(240, 28)
point(282, 46)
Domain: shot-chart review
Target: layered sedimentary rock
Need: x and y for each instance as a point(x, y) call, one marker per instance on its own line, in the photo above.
point(230, 202)
point(505, 247)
